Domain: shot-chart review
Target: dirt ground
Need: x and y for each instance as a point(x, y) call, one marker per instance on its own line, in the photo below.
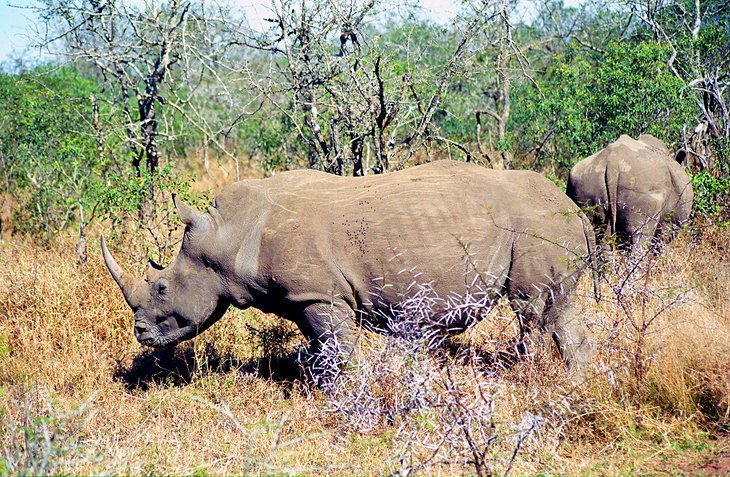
point(710, 459)
point(714, 463)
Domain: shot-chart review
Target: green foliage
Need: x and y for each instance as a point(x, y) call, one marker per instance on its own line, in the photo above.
point(48, 155)
point(126, 193)
point(4, 346)
point(712, 197)
point(61, 168)
point(270, 141)
point(139, 207)
point(636, 93)
point(200, 471)
point(587, 102)
point(714, 41)
point(709, 50)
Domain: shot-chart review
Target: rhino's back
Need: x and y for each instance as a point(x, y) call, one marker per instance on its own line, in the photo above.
point(437, 186)
point(438, 224)
point(654, 143)
point(435, 199)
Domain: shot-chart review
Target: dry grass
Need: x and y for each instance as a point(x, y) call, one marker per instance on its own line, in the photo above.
point(234, 401)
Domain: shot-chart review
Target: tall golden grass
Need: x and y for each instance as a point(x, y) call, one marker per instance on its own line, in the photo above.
point(80, 396)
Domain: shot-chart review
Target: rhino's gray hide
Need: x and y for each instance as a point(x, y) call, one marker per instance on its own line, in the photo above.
point(633, 189)
point(331, 252)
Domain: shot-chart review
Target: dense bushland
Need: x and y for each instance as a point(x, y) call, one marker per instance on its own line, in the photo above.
point(50, 162)
point(113, 131)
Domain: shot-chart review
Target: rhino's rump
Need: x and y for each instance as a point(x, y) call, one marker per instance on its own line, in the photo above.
point(636, 184)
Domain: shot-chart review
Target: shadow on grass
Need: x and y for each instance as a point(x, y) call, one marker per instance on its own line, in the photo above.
point(179, 366)
point(490, 361)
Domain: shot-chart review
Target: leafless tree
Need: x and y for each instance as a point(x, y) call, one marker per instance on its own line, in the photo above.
point(168, 71)
point(496, 60)
point(134, 51)
point(333, 77)
point(504, 55)
point(357, 99)
point(176, 56)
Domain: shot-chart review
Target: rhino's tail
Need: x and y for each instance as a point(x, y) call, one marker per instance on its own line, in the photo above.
point(593, 258)
point(611, 178)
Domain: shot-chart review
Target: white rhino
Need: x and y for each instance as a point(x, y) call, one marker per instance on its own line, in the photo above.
point(331, 253)
point(633, 189)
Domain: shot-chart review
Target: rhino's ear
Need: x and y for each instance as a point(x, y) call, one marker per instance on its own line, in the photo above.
point(152, 264)
point(153, 270)
point(680, 156)
point(188, 215)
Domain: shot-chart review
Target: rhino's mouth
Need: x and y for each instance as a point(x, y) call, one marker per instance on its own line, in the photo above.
point(155, 339)
point(173, 329)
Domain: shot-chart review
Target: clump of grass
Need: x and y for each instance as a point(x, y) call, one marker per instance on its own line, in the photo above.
point(664, 337)
point(66, 331)
point(43, 440)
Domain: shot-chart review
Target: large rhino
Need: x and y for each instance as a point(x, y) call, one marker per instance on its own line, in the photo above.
point(331, 253)
point(635, 190)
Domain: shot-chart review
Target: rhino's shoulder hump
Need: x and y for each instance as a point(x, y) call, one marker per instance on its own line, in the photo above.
point(625, 139)
point(626, 153)
point(627, 145)
point(647, 148)
point(238, 191)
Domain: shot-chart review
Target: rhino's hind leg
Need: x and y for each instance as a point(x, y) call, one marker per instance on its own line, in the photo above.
point(529, 311)
point(330, 330)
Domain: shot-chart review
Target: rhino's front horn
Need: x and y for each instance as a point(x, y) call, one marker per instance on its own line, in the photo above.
point(126, 282)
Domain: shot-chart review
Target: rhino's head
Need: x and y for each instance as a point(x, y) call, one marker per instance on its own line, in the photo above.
point(179, 302)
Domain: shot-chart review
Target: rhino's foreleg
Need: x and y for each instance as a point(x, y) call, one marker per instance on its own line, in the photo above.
point(330, 330)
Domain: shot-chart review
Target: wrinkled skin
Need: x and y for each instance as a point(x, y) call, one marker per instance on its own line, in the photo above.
point(330, 253)
point(635, 190)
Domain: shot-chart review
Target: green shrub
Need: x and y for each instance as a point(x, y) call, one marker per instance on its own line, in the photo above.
point(585, 103)
point(49, 160)
point(65, 166)
point(712, 196)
